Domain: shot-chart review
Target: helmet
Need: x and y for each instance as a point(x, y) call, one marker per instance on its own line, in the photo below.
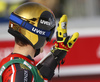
point(33, 22)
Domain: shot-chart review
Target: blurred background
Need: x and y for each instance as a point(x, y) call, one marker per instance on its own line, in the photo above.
point(83, 60)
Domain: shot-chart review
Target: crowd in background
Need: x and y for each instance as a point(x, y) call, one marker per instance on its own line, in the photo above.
point(73, 8)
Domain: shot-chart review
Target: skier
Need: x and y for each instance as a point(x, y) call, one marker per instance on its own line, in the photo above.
point(32, 26)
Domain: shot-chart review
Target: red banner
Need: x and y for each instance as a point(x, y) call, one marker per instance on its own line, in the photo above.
point(84, 57)
point(85, 51)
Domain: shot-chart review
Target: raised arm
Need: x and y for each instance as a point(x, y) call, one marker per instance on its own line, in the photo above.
point(62, 45)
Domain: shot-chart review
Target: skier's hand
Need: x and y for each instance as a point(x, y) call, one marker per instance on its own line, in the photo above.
point(64, 42)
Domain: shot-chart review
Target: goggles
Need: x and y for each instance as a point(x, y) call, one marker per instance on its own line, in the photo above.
point(25, 24)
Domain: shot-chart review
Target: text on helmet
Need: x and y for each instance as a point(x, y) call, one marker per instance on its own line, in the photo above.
point(45, 22)
point(35, 30)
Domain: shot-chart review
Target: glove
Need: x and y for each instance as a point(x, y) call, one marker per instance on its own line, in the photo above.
point(64, 42)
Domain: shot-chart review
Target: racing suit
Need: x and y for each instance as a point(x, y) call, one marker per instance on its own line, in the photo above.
point(19, 72)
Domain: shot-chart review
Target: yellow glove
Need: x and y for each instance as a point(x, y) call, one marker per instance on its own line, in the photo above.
point(64, 42)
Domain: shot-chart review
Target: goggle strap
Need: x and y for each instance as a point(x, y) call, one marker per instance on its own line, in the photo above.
point(28, 26)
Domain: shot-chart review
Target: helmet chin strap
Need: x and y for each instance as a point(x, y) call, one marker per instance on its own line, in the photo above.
point(37, 52)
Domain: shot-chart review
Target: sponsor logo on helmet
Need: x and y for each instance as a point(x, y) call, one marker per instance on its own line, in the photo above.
point(38, 31)
point(52, 21)
point(45, 22)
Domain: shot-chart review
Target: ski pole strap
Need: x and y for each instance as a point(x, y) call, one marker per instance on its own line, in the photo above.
point(35, 72)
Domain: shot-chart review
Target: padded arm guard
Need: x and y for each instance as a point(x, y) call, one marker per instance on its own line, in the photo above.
point(48, 64)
